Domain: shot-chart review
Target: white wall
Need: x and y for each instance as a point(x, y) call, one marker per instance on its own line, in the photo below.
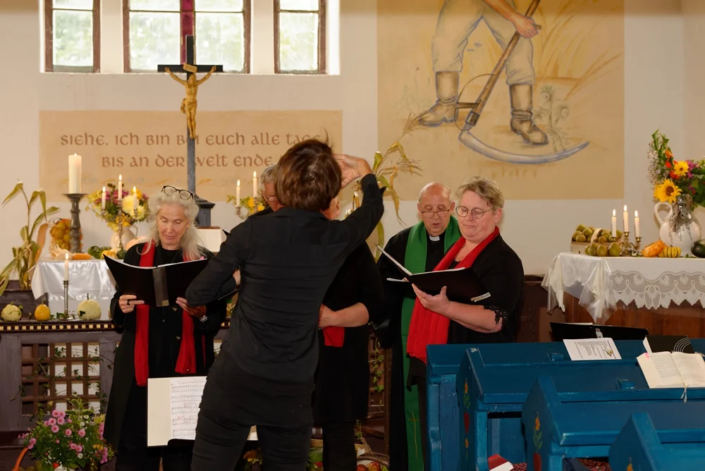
point(663, 63)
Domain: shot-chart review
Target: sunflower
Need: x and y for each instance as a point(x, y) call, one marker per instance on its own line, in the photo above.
point(680, 168)
point(667, 191)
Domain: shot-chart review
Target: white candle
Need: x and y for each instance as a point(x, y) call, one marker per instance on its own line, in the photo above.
point(237, 194)
point(254, 184)
point(134, 191)
point(102, 200)
point(636, 223)
point(614, 223)
point(75, 173)
point(625, 219)
point(66, 267)
point(120, 188)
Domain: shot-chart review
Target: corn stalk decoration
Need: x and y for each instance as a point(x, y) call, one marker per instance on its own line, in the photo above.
point(25, 257)
point(386, 169)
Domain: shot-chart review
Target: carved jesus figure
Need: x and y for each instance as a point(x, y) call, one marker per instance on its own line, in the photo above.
point(189, 104)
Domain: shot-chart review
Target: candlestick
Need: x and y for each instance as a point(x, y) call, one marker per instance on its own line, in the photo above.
point(75, 169)
point(625, 219)
point(237, 194)
point(254, 184)
point(102, 200)
point(66, 299)
point(614, 223)
point(636, 225)
point(75, 229)
point(66, 267)
point(120, 188)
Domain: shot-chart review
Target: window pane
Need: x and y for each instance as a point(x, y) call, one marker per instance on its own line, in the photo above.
point(73, 38)
point(220, 39)
point(218, 5)
point(79, 4)
point(154, 40)
point(157, 5)
point(298, 41)
point(298, 5)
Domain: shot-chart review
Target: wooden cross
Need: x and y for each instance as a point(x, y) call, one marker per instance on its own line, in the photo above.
point(188, 107)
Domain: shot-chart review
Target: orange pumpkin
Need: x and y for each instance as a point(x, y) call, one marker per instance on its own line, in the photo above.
point(653, 250)
point(81, 256)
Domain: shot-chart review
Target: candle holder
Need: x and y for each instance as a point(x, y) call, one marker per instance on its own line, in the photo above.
point(66, 299)
point(120, 219)
point(75, 229)
point(629, 249)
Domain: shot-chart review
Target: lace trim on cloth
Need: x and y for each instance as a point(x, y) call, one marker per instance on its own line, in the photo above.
point(669, 287)
point(499, 314)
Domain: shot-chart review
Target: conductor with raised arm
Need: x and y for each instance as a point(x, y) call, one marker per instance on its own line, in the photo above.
point(264, 375)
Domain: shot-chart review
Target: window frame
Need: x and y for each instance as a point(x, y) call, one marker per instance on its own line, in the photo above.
point(322, 39)
point(49, 40)
point(186, 29)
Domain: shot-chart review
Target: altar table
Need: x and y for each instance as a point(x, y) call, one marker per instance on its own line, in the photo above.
point(665, 296)
point(87, 279)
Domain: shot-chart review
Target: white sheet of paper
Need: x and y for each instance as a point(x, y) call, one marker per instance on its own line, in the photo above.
point(592, 349)
point(172, 409)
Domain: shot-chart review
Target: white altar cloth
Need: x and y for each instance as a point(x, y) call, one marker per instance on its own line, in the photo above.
point(599, 283)
point(87, 279)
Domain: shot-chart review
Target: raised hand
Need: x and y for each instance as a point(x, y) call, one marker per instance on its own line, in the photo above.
point(352, 168)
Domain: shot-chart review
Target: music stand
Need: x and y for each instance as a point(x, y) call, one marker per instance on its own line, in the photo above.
point(564, 330)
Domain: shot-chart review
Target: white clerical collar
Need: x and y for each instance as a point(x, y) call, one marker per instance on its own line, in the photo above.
point(434, 238)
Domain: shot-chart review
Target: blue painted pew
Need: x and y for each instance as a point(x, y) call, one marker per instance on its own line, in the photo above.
point(639, 445)
point(495, 403)
point(584, 425)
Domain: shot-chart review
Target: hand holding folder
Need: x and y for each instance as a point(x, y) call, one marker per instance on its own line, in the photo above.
point(461, 284)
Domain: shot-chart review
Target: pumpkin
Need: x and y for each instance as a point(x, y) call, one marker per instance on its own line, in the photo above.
point(653, 250)
point(81, 256)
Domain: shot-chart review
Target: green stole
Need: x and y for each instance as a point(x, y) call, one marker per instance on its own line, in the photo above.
point(415, 262)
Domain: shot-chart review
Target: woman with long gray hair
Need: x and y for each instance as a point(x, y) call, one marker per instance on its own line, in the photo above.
point(158, 342)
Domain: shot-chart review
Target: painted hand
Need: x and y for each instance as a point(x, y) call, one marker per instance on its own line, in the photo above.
point(196, 312)
point(438, 303)
point(525, 26)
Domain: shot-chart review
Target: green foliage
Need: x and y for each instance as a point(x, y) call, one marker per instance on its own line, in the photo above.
point(24, 257)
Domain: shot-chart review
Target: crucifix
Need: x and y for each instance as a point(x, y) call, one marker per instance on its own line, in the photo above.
point(188, 107)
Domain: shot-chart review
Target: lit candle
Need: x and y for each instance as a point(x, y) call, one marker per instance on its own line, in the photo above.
point(614, 223)
point(74, 173)
point(102, 200)
point(134, 191)
point(237, 194)
point(636, 223)
point(120, 188)
point(625, 219)
point(254, 184)
point(66, 267)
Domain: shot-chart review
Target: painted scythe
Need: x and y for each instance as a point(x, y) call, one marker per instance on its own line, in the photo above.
point(472, 142)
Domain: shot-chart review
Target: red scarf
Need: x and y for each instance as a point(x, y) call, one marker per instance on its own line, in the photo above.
point(334, 336)
point(186, 363)
point(428, 327)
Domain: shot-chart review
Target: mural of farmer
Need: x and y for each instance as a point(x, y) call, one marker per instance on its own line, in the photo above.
point(456, 23)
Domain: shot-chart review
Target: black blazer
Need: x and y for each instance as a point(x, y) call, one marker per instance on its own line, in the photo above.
point(287, 261)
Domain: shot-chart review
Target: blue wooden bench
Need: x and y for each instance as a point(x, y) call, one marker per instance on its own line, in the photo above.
point(562, 425)
point(499, 377)
point(638, 445)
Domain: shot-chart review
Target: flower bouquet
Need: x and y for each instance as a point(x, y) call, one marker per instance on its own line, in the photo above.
point(131, 209)
point(71, 439)
point(674, 178)
point(247, 206)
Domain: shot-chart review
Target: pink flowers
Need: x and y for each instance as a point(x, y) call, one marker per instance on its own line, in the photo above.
point(55, 428)
point(51, 421)
point(68, 432)
point(81, 433)
point(75, 447)
point(60, 421)
point(32, 441)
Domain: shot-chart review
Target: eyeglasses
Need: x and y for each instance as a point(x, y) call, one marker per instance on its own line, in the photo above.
point(171, 190)
point(476, 213)
point(438, 212)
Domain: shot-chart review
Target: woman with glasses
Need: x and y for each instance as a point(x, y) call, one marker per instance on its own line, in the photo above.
point(439, 320)
point(158, 342)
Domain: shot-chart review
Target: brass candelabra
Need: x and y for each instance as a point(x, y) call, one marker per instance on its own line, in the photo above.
point(629, 249)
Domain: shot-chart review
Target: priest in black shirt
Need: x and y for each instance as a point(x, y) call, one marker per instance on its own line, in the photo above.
point(419, 248)
point(264, 375)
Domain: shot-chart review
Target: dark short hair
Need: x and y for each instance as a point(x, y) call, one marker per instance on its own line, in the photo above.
point(308, 176)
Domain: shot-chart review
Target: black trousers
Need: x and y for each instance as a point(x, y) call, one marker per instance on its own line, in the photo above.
point(423, 412)
point(339, 446)
point(133, 454)
point(233, 401)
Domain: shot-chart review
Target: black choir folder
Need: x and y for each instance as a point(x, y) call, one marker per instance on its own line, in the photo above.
point(156, 286)
point(461, 283)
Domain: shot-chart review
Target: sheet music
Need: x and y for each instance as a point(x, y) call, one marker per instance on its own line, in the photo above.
point(592, 349)
point(185, 398)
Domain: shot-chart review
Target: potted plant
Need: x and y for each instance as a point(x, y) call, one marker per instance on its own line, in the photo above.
point(25, 256)
point(69, 439)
